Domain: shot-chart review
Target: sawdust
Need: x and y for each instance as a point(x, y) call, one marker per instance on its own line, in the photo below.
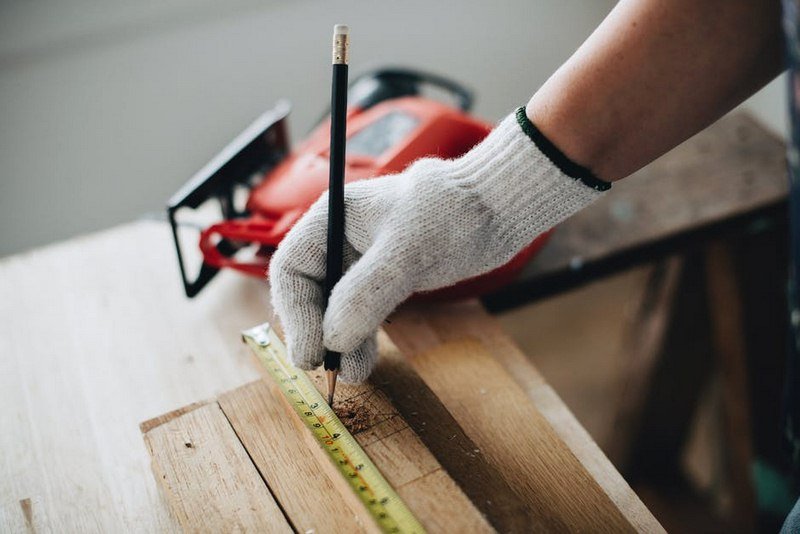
point(353, 415)
point(357, 412)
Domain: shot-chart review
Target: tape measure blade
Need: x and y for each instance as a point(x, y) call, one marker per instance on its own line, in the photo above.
point(382, 503)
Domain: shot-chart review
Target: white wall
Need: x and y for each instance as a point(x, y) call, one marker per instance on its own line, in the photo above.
point(107, 106)
point(770, 105)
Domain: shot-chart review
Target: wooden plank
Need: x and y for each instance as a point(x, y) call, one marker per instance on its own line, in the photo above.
point(487, 384)
point(208, 478)
point(641, 348)
point(130, 346)
point(729, 170)
point(682, 369)
point(286, 455)
point(446, 440)
point(416, 475)
point(292, 465)
point(147, 426)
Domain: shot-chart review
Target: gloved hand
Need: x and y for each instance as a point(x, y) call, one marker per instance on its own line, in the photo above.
point(436, 223)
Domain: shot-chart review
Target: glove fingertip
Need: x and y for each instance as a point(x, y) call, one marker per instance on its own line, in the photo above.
point(357, 365)
point(340, 339)
point(306, 358)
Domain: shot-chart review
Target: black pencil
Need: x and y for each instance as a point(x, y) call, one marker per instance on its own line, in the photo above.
point(333, 270)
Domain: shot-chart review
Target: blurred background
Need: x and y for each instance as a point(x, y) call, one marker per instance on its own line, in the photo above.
point(107, 107)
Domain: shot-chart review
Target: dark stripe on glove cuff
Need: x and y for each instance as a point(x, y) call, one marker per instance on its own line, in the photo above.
point(565, 165)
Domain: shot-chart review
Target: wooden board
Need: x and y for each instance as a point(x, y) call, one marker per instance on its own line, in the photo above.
point(461, 440)
point(71, 445)
point(199, 452)
point(285, 464)
point(97, 337)
point(282, 451)
point(313, 494)
point(490, 381)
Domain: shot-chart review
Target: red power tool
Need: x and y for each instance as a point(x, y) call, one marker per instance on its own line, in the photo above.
point(256, 188)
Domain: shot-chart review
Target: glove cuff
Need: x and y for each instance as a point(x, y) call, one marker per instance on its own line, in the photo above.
point(526, 181)
point(558, 158)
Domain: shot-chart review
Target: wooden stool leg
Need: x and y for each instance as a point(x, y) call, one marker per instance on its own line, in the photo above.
point(644, 337)
point(682, 366)
point(728, 329)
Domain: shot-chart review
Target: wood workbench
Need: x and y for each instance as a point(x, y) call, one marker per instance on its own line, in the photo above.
point(97, 337)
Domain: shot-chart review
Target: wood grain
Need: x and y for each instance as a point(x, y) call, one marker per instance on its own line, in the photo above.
point(96, 338)
point(447, 441)
point(27, 515)
point(516, 421)
point(208, 478)
point(480, 455)
point(260, 415)
point(293, 466)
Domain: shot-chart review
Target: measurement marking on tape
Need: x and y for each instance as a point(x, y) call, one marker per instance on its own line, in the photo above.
point(384, 505)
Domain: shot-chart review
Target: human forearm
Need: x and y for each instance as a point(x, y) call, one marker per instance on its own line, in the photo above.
point(653, 74)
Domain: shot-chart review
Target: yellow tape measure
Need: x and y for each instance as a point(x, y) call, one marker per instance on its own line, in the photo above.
point(385, 506)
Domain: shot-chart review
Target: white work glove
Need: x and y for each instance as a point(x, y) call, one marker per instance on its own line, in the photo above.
point(436, 223)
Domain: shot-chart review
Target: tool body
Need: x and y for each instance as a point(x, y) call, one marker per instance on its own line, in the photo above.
point(383, 504)
point(251, 194)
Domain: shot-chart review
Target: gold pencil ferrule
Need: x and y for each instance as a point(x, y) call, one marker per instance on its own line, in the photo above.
point(341, 44)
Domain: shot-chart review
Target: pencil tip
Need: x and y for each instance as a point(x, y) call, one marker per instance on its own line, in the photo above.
point(331, 375)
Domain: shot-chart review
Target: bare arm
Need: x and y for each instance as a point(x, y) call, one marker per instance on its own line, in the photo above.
point(654, 73)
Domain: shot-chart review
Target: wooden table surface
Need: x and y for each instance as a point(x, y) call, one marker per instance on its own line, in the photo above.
point(98, 337)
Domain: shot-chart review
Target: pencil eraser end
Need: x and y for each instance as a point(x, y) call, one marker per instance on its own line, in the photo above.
point(341, 29)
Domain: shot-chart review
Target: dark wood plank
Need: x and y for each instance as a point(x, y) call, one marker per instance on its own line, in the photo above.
point(728, 335)
point(506, 409)
point(642, 344)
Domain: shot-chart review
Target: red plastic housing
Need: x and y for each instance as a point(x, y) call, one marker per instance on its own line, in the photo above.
point(429, 128)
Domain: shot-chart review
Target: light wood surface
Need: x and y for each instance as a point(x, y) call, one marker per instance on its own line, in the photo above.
point(478, 435)
point(100, 338)
point(300, 479)
point(97, 337)
point(199, 451)
point(398, 451)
